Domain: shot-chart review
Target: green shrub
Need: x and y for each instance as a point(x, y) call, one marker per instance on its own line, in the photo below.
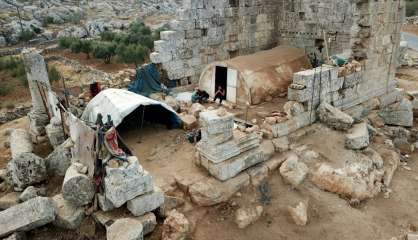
point(133, 53)
point(411, 8)
point(104, 50)
point(47, 20)
point(6, 89)
point(53, 74)
point(76, 46)
point(26, 35)
point(108, 36)
point(65, 42)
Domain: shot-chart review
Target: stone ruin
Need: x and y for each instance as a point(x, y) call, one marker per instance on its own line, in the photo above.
point(29, 207)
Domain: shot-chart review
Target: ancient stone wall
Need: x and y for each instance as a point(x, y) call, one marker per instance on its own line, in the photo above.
point(213, 30)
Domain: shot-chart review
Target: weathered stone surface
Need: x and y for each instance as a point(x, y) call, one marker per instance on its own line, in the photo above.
point(123, 184)
point(20, 142)
point(125, 229)
point(211, 192)
point(146, 203)
point(275, 162)
point(148, 221)
point(358, 180)
point(258, 174)
point(399, 114)
point(333, 117)
point(293, 171)
point(27, 216)
point(232, 167)
point(176, 226)
point(292, 108)
point(189, 121)
point(68, 216)
point(299, 214)
point(78, 189)
point(9, 200)
point(358, 137)
point(281, 144)
point(59, 160)
point(104, 203)
point(26, 169)
point(391, 161)
point(16, 236)
point(170, 203)
point(54, 132)
point(196, 109)
point(31, 192)
point(246, 216)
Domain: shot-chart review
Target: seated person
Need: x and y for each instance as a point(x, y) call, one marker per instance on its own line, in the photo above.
point(220, 94)
point(200, 96)
point(195, 95)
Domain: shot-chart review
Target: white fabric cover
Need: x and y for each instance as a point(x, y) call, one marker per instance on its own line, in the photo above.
point(117, 103)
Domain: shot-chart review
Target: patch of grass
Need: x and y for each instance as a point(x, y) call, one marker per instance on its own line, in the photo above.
point(5, 89)
point(26, 35)
point(411, 8)
point(53, 74)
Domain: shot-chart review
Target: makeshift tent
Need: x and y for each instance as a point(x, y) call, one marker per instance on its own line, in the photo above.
point(147, 80)
point(119, 103)
point(255, 77)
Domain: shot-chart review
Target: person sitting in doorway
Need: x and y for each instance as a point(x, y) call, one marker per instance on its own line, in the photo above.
point(220, 94)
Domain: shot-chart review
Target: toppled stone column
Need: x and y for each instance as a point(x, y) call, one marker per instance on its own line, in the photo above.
point(27, 216)
point(77, 188)
point(26, 169)
point(20, 142)
point(36, 71)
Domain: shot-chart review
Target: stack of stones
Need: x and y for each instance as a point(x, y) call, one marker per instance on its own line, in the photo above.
point(223, 151)
point(130, 184)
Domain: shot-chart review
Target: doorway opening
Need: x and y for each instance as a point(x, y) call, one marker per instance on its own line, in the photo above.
point(221, 77)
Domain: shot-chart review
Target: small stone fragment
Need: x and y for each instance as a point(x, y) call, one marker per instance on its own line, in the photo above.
point(246, 216)
point(299, 214)
point(293, 171)
point(334, 118)
point(176, 226)
point(358, 137)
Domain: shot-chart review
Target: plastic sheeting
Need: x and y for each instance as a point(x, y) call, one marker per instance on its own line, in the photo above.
point(147, 80)
point(119, 103)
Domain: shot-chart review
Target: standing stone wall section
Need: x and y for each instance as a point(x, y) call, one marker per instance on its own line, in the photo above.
point(214, 30)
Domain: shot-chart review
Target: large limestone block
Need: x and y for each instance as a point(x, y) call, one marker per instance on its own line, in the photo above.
point(210, 192)
point(20, 142)
point(26, 169)
point(334, 118)
point(358, 137)
point(125, 229)
point(212, 122)
point(68, 216)
point(27, 216)
point(77, 188)
point(125, 183)
point(232, 167)
point(59, 160)
point(399, 114)
point(146, 203)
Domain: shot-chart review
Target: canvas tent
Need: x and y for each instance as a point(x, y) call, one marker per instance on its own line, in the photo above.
point(121, 104)
point(147, 80)
point(252, 78)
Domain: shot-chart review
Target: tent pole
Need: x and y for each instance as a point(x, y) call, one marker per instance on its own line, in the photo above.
point(142, 123)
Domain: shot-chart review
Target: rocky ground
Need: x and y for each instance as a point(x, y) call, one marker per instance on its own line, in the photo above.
point(51, 19)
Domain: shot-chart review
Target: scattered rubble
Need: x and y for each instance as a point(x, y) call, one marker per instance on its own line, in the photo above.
point(293, 171)
point(358, 137)
point(299, 214)
point(176, 226)
point(246, 216)
point(334, 118)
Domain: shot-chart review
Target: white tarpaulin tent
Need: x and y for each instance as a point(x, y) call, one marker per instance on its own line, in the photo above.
point(119, 103)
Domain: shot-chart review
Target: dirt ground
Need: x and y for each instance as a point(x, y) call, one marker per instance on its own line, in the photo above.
point(163, 154)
